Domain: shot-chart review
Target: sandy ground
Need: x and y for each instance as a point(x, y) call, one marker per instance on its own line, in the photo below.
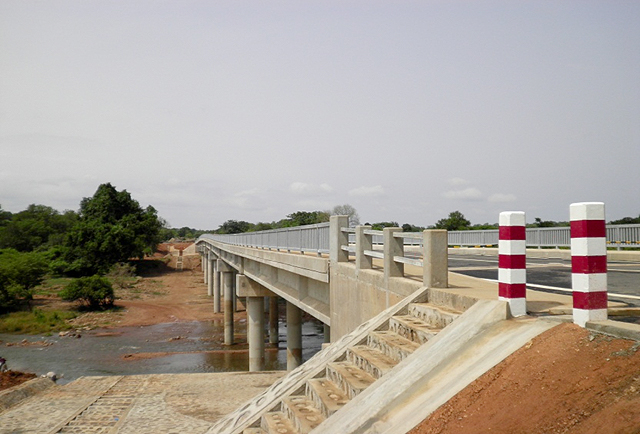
point(566, 380)
point(166, 295)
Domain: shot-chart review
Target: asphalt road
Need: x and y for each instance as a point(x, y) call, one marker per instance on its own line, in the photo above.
point(554, 275)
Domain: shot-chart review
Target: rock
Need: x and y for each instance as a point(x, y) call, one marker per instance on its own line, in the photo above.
point(52, 375)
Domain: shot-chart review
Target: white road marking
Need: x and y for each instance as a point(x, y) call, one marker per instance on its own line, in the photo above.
point(557, 288)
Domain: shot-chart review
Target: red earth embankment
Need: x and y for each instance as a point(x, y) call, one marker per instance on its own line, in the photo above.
point(567, 380)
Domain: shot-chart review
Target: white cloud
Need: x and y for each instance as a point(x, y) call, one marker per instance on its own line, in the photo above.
point(376, 190)
point(470, 193)
point(457, 181)
point(501, 197)
point(310, 189)
point(246, 199)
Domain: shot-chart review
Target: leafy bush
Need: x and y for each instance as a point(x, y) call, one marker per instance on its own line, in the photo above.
point(19, 274)
point(122, 275)
point(95, 291)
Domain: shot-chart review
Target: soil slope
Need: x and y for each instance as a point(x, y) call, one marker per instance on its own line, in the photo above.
point(567, 380)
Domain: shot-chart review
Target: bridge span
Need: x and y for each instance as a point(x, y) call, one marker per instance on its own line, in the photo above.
point(343, 277)
point(319, 280)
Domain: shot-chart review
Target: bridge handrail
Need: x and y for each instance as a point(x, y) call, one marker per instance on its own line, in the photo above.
point(308, 238)
point(619, 236)
point(315, 238)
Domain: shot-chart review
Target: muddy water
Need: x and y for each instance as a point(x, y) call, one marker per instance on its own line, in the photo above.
point(171, 348)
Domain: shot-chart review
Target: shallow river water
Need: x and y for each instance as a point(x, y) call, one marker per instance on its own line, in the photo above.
point(193, 347)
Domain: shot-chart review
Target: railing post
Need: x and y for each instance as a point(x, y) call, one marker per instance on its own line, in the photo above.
point(363, 242)
point(588, 262)
point(392, 247)
point(338, 238)
point(435, 252)
point(512, 261)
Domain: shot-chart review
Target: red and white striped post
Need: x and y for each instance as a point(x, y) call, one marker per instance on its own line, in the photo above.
point(588, 262)
point(512, 261)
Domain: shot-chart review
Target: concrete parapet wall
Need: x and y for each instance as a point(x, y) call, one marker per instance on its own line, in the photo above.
point(359, 295)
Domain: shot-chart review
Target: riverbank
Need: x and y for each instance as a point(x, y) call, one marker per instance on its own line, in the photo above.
point(163, 325)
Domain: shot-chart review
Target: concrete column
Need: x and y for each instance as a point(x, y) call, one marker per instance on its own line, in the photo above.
point(327, 334)
point(273, 320)
point(588, 262)
point(294, 336)
point(337, 238)
point(228, 307)
point(364, 242)
point(216, 288)
point(435, 258)
point(512, 261)
point(392, 247)
point(255, 334)
point(205, 267)
point(254, 294)
point(210, 262)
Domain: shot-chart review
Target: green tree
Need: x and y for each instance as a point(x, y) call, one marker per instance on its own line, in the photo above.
point(5, 217)
point(37, 227)
point(20, 272)
point(234, 227)
point(411, 228)
point(302, 218)
point(381, 225)
point(112, 228)
point(626, 221)
point(95, 291)
point(455, 222)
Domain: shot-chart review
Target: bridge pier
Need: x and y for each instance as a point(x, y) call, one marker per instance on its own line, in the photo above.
point(294, 336)
point(273, 320)
point(216, 288)
point(205, 266)
point(255, 294)
point(255, 334)
point(210, 268)
point(227, 287)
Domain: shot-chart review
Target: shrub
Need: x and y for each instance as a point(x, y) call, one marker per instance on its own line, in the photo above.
point(122, 275)
point(95, 291)
point(19, 274)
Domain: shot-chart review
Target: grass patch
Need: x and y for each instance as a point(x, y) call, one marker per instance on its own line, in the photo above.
point(53, 285)
point(35, 322)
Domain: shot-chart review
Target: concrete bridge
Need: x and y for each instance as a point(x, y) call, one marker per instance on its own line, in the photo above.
point(406, 334)
point(323, 282)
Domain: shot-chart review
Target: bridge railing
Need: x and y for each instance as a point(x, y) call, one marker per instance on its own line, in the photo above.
point(315, 238)
point(619, 236)
point(390, 248)
point(309, 238)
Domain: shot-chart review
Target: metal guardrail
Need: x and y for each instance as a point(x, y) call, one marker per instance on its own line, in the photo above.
point(619, 236)
point(310, 238)
point(315, 238)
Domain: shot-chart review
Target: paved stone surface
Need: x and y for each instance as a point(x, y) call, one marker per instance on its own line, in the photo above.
point(170, 403)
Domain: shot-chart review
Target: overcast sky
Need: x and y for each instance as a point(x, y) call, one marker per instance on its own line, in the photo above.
point(252, 110)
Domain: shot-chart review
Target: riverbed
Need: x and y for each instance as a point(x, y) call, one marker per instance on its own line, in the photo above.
point(168, 348)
